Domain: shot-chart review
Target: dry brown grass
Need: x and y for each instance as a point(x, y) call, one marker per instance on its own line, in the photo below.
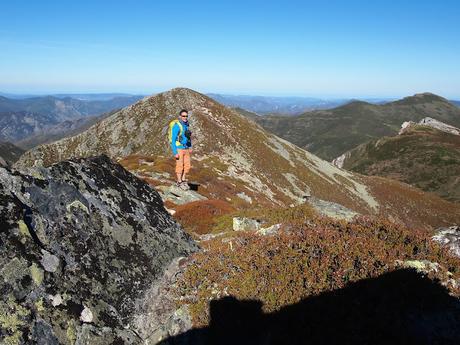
point(412, 207)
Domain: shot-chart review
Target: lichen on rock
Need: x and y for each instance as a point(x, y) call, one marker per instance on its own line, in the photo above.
point(87, 239)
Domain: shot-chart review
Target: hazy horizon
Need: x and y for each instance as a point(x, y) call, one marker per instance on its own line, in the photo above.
point(233, 94)
point(330, 98)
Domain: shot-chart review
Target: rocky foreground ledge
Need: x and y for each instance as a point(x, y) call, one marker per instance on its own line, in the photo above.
point(81, 242)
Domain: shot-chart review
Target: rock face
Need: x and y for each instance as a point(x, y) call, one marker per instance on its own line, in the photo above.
point(81, 242)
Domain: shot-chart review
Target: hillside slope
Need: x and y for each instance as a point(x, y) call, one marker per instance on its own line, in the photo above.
point(330, 133)
point(422, 156)
point(239, 161)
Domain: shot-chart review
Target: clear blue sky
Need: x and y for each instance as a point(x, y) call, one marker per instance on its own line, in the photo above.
point(310, 48)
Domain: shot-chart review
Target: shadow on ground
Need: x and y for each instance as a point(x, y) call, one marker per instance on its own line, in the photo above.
point(193, 186)
point(400, 307)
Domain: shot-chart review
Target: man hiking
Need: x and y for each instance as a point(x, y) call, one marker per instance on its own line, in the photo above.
point(181, 145)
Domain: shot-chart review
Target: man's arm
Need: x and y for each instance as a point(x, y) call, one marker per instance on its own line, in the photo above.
point(175, 133)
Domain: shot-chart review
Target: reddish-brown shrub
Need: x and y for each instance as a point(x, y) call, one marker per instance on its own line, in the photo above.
point(199, 217)
point(303, 261)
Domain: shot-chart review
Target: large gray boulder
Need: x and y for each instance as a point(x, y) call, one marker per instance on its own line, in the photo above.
point(80, 242)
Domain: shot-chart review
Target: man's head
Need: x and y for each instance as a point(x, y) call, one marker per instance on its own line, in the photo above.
point(183, 115)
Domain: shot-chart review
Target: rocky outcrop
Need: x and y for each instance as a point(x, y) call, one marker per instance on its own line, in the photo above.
point(81, 242)
point(332, 209)
point(430, 122)
point(245, 224)
point(449, 237)
point(338, 162)
point(179, 196)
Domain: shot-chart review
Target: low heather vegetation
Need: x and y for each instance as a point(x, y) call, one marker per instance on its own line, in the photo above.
point(308, 258)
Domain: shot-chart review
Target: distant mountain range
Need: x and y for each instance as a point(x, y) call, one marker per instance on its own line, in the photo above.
point(67, 108)
point(275, 105)
point(80, 96)
point(60, 130)
point(329, 133)
point(29, 122)
point(23, 118)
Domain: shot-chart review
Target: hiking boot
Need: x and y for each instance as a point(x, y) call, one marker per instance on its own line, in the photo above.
point(184, 186)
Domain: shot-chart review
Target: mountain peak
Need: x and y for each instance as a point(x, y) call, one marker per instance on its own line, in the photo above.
point(176, 99)
point(180, 92)
point(420, 98)
point(355, 103)
point(227, 147)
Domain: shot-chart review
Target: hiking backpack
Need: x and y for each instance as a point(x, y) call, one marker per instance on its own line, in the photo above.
point(170, 129)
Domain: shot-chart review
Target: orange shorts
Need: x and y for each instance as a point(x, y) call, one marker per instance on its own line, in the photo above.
point(183, 163)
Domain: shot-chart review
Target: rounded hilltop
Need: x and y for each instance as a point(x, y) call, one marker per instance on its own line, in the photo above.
point(419, 98)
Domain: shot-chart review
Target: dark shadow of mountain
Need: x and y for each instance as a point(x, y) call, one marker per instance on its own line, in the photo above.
point(400, 307)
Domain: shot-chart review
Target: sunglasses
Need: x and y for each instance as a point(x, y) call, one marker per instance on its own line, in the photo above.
point(184, 116)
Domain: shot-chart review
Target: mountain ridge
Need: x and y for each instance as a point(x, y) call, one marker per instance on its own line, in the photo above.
point(329, 133)
point(233, 157)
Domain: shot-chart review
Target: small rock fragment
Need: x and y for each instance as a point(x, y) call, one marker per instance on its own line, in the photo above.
point(56, 300)
point(86, 315)
point(271, 230)
point(449, 237)
point(49, 261)
point(245, 224)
